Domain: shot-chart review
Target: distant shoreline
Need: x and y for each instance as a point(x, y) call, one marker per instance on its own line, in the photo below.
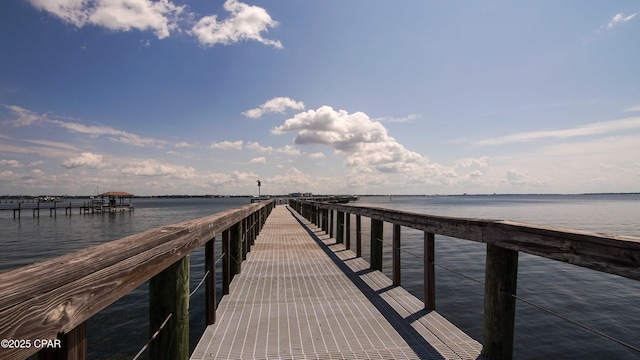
point(184, 196)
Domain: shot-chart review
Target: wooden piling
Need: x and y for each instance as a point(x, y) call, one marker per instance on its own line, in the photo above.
point(395, 255)
point(340, 227)
point(169, 294)
point(226, 262)
point(347, 239)
point(377, 231)
point(429, 271)
point(331, 219)
point(210, 282)
point(499, 303)
point(358, 236)
point(236, 248)
point(74, 346)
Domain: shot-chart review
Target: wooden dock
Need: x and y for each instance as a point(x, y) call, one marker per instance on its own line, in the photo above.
point(297, 293)
point(301, 295)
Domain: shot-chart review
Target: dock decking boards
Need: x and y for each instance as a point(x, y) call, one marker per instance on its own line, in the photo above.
point(302, 296)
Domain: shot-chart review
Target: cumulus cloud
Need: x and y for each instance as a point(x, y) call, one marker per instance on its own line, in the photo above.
point(119, 15)
point(258, 160)
point(619, 19)
point(163, 17)
point(286, 150)
point(317, 155)
point(226, 145)
point(584, 130)
point(86, 159)
point(365, 143)
point(246, 22)
point(275, 105)
point(339, 129)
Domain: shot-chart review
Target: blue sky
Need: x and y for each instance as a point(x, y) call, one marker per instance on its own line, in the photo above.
point(357, 97)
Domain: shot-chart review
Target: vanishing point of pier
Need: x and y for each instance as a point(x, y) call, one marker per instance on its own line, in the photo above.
point(294, 283)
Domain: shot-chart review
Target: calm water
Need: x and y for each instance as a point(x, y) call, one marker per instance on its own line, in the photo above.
point(607, 303)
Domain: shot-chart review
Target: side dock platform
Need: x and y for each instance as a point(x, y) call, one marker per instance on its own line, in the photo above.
point(302, 295)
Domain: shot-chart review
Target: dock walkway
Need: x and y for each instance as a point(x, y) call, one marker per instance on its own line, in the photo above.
point(302, 296)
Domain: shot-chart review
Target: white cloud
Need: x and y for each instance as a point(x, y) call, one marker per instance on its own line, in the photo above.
point(518, 178)
point(24, 117)
point(183, 144)
point(259, 148)
point(119, 15)
point(10, 163)
point(619, 19)
point(275, 105)
point(86, 159)
point(317, 155)
point(339, 129)
point(367, 147)
point(113, 134)
point(286, 150)
point(226, 145)
point(245, 23)
point(155, 168)
point(407, 118)
point(585, 130)
point(27, 118)
point(258, 160)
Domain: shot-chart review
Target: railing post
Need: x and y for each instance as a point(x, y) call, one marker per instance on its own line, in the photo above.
point(210, 284)
point(429, 272)
point(340, 227)
point(501, 276)
point(226, 262)
point(244, 240)
point(324, 220)
point(331, 219)
point(396, 255)
point(347, 239)
point(253, 228)
point(358, 236)
point(377, 229)
point(74, 346)
point(169, 294)
point(236, 248)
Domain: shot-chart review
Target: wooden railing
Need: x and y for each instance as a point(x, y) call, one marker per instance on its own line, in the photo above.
point(619, 255)
point(51, 300)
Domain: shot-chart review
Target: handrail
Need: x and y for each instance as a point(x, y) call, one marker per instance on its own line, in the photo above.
point(52, 297)
point(614, 254)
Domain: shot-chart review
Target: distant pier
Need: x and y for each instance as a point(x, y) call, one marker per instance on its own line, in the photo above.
point(69, 207)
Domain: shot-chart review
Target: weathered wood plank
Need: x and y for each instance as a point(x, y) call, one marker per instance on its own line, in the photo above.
point(614, 254)
point(14, 288)
point(377, 235)
point(74, 287)
point(499, 303)
point(169, 295)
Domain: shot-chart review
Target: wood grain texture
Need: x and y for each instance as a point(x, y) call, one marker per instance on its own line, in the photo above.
point(614, 254)
point(44, 299)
